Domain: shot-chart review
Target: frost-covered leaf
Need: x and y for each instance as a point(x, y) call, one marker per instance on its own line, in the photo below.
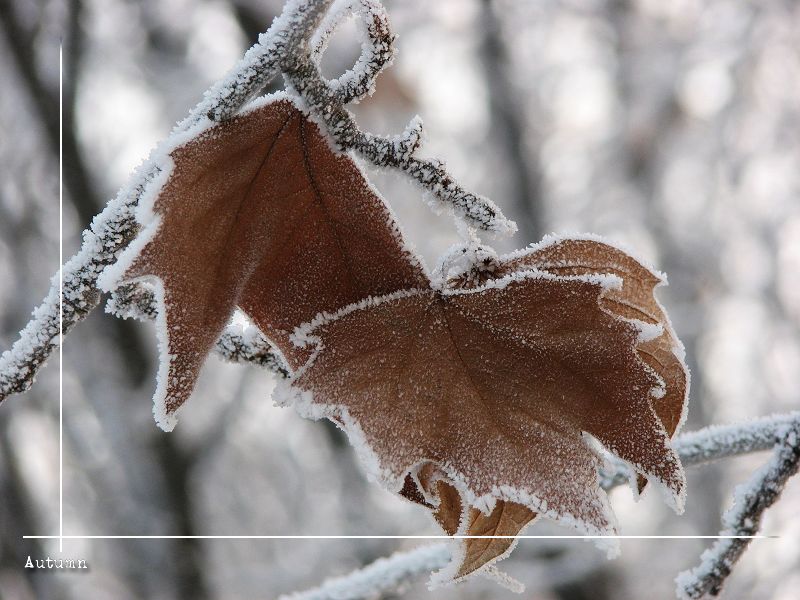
point(635, 299)
point(495, 378)
point(258, 212)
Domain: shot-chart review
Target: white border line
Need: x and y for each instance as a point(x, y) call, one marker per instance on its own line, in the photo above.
point(399, 537)
point(61, 297)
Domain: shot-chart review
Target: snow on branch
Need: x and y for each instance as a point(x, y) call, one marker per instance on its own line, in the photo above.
point(287, 48)
point(384, 575)
point(397, 152)
point(743, 518)
point(110, 231)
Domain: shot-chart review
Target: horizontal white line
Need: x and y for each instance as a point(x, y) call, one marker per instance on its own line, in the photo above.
point(396, 537)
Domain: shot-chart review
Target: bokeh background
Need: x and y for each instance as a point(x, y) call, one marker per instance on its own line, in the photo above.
point(673, 127)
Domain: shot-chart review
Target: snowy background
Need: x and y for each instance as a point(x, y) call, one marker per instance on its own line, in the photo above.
point(673, 127)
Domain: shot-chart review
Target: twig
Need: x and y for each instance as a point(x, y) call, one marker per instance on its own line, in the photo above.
point(743, 519)
point(397, 152)
point(385, 574)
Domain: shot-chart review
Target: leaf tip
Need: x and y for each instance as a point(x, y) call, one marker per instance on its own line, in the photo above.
point(165, 419)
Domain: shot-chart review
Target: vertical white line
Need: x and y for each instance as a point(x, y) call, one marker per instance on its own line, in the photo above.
point(61, 298)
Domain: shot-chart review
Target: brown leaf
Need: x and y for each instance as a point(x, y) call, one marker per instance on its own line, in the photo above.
point(634, 300)
point(495, 386)
point(505, 521)
point(260, 212)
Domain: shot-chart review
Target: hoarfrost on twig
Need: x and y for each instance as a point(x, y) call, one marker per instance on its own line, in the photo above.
point(750, 500)
point(384, 575)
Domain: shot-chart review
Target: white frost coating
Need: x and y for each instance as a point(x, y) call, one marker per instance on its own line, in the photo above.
point(647, 331)
point(337, 14)
point(658, 392)
point(377, 51)
point(384, 575)
point(262, 62)
point(461, 259)
point(429, 497)
point(164, 419)
point(605, 281)
point(303, 337)
point(552, 239)
point(113, 276)
point(503, 579)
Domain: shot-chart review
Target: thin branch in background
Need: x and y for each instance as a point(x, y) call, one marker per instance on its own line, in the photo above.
point(743, 519)
point(508, 125)
point(44, 101)
point(384, 575)
point(189, 568)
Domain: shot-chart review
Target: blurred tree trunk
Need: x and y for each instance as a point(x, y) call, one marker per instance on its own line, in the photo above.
point(509, 125)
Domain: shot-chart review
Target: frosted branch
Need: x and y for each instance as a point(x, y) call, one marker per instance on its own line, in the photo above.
point(743, 518)
point(288, 34)
point(397, 152)
point(384, 575)
point(377, 49)
point(110, 231)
